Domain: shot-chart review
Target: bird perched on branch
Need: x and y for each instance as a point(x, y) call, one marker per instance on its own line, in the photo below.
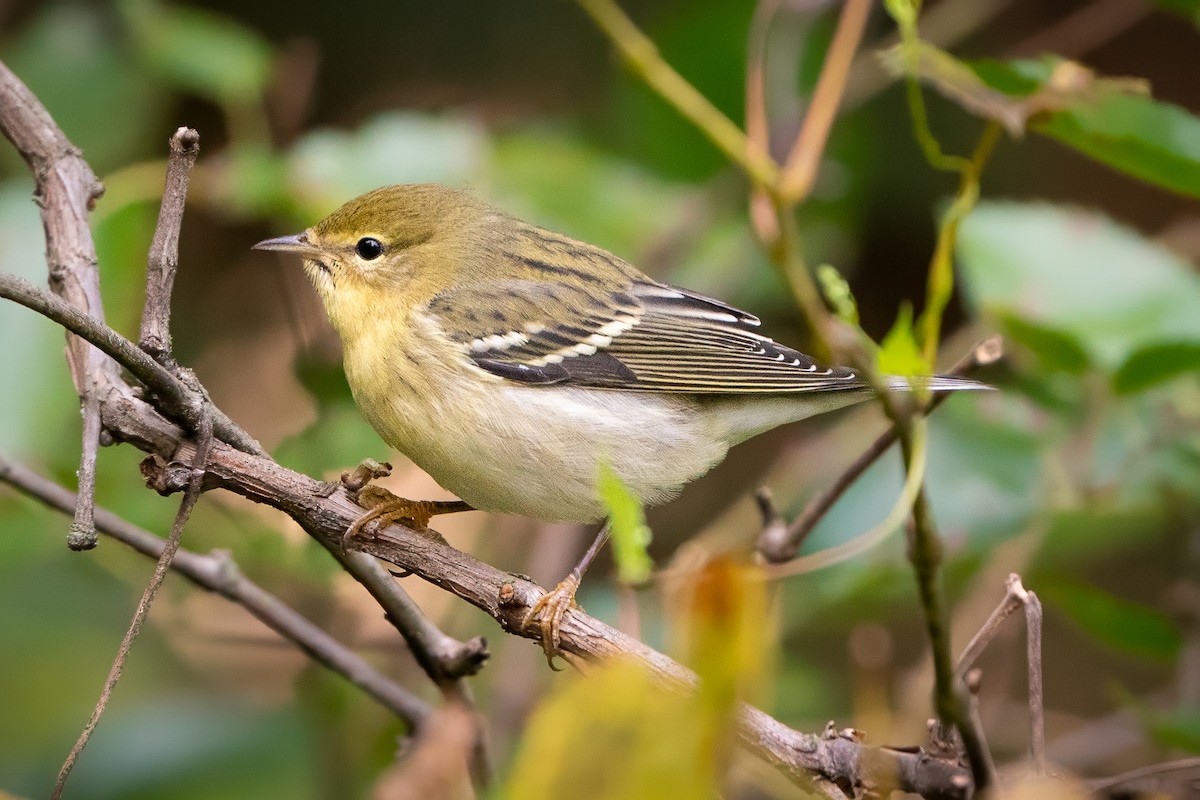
point(510, 362)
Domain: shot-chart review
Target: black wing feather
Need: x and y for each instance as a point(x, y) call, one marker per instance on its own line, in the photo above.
point(631, 334)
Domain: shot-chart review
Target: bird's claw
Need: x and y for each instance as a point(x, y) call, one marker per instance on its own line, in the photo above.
point(384, 508)
point(549, 612)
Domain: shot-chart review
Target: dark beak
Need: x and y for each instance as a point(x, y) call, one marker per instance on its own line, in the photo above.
point(297, 243)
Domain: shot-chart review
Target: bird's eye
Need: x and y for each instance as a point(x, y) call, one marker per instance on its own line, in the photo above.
point(368, 249)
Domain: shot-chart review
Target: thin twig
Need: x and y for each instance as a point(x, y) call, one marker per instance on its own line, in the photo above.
point(940, 283)
point(1016, 596)
point(778, 543)
point(82, 534)
point(800, 170)
point(1037, 698)
point(163, 259)
point(444, 659)
point(944, 25)
point(178, 398)
point(969, 696)
point(643, 58)
point(758, 132)
point(195, 484)
point(217, 572)
point(1150, 771)
point(1013, 599)
point(860, 543)
point(758, 141)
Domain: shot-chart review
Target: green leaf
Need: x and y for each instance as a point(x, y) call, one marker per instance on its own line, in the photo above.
point(630, 534)
point(1148, 139)
point(1156, 364)
point(1079, 273)
point(837, 291)
point(1113, 120)
point(1056, 349)
point(1123, 625)
point(1020, 78)
point(899, 353)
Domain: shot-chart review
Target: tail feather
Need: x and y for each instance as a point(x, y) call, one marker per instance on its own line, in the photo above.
point(938, 383)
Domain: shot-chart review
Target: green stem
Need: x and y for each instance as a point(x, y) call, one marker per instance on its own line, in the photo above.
point(788, 257)
point(941, 266)
point(644, 59)
point(925, 553)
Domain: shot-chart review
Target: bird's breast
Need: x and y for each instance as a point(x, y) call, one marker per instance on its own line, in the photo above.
point(530, 450)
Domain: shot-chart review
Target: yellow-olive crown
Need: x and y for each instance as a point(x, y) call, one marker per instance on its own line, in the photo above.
point(400, 216)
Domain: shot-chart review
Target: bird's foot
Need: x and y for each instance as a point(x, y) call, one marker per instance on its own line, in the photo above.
point(384, 508)
point(549, 612)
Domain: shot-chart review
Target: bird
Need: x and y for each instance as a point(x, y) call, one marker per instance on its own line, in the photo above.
point(512, 363)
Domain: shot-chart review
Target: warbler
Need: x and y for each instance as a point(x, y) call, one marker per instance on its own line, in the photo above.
point(510, 362)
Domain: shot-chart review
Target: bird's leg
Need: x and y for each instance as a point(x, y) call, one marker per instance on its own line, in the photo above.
point(551, 608)
point(383, 507)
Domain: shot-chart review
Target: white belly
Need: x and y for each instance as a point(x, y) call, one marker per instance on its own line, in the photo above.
point(536, 451)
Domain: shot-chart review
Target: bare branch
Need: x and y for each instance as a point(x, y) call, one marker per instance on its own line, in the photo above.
point(191, 494)
point(66, 188)
point(163, 259)
point(758, 132)
point(1142, 773)
point(1017, 596)
point(82, 535)
point(218, 573)
point(177, 397)
point(1037, 697)
point(444, 659)
point(508, 597)
point(757, 128)
point(969, 694)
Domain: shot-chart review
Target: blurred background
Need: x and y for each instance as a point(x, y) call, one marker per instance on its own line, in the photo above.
point(1084, 484)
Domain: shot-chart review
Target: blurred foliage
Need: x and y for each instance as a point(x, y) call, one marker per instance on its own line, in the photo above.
point(1082, 473)
point(1111, 120)
point(630, 534)
point(604, 734)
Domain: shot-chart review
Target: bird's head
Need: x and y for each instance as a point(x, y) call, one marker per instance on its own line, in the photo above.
point(383, 246)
